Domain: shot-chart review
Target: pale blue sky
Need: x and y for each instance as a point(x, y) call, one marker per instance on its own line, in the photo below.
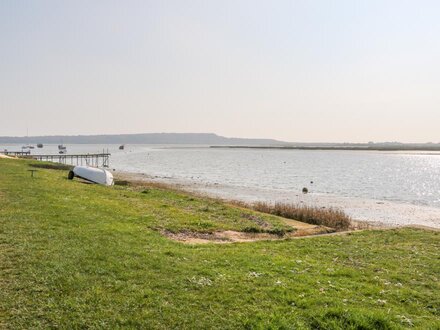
point(292, 70)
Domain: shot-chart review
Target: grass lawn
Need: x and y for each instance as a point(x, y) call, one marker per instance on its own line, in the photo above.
point(74, 255)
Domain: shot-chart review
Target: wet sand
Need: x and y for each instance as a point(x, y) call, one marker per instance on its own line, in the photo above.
point(375, 212)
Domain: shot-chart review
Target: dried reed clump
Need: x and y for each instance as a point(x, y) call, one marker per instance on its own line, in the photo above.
point(329, 217)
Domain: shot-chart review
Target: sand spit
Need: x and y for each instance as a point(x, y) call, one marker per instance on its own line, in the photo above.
point(374, 212)
point(3, 156)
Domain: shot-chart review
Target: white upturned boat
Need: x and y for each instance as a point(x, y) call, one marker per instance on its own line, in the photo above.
point(92, 174)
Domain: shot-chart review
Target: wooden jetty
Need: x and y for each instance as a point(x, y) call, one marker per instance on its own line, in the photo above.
point(97, 160)
point(15, 153)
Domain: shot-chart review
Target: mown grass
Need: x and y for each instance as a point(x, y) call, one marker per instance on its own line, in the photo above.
point(85, 256)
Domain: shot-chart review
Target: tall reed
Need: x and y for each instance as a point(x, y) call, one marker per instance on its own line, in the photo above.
point(329, 217)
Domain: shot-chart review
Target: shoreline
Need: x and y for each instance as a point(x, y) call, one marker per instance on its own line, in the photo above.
point(336, 148)
point(369, 211)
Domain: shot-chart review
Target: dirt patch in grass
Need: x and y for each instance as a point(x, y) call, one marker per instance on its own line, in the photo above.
point(228, 236)
point(231, 236)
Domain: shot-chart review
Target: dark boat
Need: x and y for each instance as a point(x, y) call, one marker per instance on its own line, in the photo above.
point(121, 147)
point(28, 146)
point(40, 145)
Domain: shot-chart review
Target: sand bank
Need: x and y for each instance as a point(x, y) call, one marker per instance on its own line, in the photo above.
point(6, 157)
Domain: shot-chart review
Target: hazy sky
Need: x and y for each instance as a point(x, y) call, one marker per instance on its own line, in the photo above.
point(293, 70)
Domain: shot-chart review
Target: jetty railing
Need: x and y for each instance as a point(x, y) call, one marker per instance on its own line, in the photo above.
point(15, 153)
point(96, 160)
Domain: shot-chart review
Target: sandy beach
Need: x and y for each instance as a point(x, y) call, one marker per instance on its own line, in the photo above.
point(374, 212)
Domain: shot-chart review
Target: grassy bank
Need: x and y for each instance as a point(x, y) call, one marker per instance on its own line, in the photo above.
point(74, 255)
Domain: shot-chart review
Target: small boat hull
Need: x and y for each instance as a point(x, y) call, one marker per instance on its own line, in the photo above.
point(92, 174)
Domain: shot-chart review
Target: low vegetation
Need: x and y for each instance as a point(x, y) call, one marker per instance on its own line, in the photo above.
point(52, 166)
point(329, 217)
point(83, 256)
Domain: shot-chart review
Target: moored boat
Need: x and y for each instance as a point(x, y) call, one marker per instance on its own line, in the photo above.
point(92, 174)
point(28, 146)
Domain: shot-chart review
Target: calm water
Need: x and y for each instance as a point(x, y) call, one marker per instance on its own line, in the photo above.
point(404, 177)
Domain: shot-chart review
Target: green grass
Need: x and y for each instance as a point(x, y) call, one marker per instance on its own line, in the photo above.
point(74, 255)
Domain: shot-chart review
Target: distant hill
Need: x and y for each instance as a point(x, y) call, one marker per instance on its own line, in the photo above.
point(211, 139)
point(147, 138)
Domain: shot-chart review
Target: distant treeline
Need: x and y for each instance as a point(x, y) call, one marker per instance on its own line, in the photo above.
point(366, 147)
point(147, 138)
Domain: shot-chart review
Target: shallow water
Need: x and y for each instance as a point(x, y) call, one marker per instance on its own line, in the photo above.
point(394, 176)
